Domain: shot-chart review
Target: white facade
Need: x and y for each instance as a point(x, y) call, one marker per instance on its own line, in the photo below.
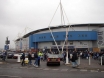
point(22, 44)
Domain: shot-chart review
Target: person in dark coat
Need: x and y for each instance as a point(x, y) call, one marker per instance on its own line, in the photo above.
point(36, 59)
point(4, 56)
point(23, 59)
point(29, 58)
point(74, 58)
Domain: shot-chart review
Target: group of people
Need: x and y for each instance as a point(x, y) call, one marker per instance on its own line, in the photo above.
point(72, 58)
point(37, 57)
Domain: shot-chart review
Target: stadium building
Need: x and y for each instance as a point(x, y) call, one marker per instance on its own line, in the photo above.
point(80, 37)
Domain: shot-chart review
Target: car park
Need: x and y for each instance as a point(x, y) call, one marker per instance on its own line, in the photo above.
point(53, 59)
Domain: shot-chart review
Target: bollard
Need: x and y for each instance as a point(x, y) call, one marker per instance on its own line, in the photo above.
point(18, 58)
point(101, 60)
point(79, 61)
point(89, 61)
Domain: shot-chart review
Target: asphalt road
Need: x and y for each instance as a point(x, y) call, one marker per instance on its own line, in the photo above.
point(15, 70)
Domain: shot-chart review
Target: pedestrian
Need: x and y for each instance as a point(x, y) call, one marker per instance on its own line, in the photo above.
point(36, 59)
point(74, 59)
point(29, 58)
point(39, 58)
point(23, 59)
point(4, 56)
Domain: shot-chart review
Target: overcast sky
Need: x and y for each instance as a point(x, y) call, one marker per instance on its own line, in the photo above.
point(16, 15)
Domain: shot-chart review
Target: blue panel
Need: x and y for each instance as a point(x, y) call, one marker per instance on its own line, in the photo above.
point(59, 36)
point(31, 43)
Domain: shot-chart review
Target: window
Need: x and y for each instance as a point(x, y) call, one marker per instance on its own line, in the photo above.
point(53, 43)
point(57, 36)
point(79, 35)
point(70, 35)
point(71, 42)
point(82, 35)
point(85, 35)
point(58, 43)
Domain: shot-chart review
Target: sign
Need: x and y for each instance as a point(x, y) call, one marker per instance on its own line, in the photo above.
point(6, 47)
point(100, 33)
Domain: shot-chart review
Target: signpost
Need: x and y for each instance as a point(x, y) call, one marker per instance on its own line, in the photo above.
point(6, 47)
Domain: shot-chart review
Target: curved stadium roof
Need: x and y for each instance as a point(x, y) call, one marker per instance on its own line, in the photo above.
point(60, 26)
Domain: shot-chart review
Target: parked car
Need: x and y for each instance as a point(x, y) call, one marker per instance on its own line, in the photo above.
point(10, 54)
point(61, 56)
point(53, 59)
point(15, 56)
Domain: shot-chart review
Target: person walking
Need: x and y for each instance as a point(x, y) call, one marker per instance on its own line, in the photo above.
point(23, 59)
point(74, 59)
point(4, 56)
point(29, 58)
point(36, 59)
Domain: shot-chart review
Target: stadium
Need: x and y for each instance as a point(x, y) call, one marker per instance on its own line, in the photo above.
point(79, 36)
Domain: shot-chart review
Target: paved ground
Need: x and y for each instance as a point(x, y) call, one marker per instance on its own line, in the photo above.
point(84, 64)
point(11, 69)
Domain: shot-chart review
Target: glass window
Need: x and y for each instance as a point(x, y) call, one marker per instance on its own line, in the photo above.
point(58, 43)
point(82, 35)
point(57, 36)
point(53, 43)
point(85, 35)
point(71, 42)
point(70, 35)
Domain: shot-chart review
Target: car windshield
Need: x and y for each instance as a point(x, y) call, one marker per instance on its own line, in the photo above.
point(10, 52)
point(53, 56)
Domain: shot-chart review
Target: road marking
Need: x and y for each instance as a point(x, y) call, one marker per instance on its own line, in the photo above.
point(94, 71)
point(55, 69)
point(46, 69)
point(74, 70)
point(9, 76)
point(83, 70)
point(23, 67)
point(4, 75)
point(64, 69)
point(14, 76)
